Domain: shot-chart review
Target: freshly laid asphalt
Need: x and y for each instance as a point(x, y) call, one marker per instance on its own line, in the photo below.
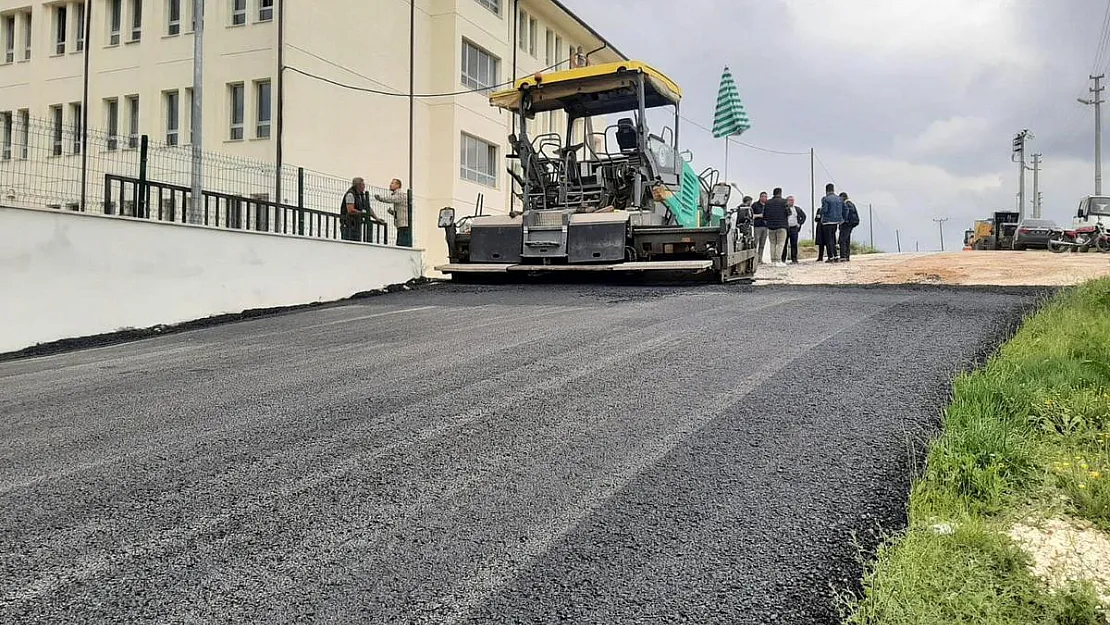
point(505, 454)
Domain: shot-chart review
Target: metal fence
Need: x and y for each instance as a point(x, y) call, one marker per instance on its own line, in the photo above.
point(42, 166)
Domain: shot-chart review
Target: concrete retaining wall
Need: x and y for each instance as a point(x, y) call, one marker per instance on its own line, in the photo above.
point(70, 275)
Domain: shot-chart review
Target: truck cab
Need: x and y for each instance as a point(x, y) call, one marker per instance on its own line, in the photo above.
point(1093, 209)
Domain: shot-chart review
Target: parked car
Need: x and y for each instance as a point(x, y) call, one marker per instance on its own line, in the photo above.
point(1033, 233)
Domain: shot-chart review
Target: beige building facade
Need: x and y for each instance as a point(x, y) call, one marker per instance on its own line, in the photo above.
point(323, 84)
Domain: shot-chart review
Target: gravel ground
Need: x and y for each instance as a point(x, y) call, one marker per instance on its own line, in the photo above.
point(964, 268)
point(481, 454)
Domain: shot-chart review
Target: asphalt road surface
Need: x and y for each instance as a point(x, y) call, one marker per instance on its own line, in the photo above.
point(481, 455)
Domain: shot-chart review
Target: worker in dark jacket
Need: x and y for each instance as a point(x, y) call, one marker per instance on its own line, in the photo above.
point(832, 216)
point(795, 220)
point(776, 216)
point(759, 225)
point(851, 220)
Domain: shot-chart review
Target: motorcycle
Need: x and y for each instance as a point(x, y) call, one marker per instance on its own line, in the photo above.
point(1081, 239)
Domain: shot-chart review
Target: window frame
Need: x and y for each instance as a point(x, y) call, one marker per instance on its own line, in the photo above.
point(237, 14)
point(9, 37)
point(115, 22)
point(136, 21)
point(464, 66)
point(265, 11)
point(79, 27)
point(133, 113)
point(259, 123)
point(173, 26)
point(60, 13)
point(171, 102)
point(236, 109)
point(493, 6)
point(7, 134)
point(76, 112)
point(469, 172)
point(57, 130)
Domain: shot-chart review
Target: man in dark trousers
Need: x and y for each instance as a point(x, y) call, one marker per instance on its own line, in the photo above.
point(795, 220)
point(759, 225)
point(851, 220)
point(776, 216)
point(832, 216)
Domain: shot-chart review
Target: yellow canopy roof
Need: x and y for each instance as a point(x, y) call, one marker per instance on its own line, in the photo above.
point(591, 90)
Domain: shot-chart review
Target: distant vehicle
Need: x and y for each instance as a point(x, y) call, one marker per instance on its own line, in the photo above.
point(1093, 209)
point(1033, 233)
point(995, 233)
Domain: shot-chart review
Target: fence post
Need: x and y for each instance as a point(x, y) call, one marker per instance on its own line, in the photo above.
point(107, 208)
point(408, 209)
point(300, 201)
point(142, 202)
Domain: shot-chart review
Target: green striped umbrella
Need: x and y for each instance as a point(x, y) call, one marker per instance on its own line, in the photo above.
point(731, 119)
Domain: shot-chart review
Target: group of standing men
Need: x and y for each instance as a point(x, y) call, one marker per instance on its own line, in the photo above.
point(779, 221)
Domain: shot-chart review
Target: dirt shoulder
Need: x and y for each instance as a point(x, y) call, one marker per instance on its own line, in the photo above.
point(1031, 268)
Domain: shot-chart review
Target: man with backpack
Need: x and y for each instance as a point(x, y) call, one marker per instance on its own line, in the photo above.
point(851, 220)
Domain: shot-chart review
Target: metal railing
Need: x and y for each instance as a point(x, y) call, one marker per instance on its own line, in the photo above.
point(47, 164)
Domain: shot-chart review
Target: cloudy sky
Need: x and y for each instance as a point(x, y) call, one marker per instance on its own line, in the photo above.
point(911, 105)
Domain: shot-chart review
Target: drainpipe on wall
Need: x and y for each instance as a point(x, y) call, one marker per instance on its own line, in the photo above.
point(279, 112)
point(412, 102)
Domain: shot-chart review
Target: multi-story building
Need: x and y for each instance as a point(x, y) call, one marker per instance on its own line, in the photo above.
point(323, 84)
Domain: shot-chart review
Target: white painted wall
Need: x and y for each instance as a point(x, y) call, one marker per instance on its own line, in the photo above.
point(68, 275)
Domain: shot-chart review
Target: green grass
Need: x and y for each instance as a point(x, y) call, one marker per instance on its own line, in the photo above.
point(1028, 432)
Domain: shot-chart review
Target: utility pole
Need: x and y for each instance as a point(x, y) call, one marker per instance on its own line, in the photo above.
point(197, 201)
point(940, 222)
point(1019, 150)
point(898, 239)
point(871, 224)
point(917, 246)
point(1097, 103)
point(1036, 186)
point(812, 198)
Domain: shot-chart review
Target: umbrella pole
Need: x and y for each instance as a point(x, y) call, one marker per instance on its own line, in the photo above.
point(725, 177)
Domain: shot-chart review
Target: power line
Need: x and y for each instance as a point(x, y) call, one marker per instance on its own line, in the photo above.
point(827, 172)
point(747, 145)
point(1104, 38)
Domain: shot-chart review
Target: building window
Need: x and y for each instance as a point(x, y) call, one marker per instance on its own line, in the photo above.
point(549, 49)
point(56, 129)
point(133, 121)
point(558, 52)
point(136, 19)
point(9, 39)
point(188, 114)
point(75, 114)
point(27, 36)
point(262, 100)
point(479, 68)
point(533, 27)
point(235, 100)
point(479, 161)
point(173, 17)
point(115, 18)
point(265, 10)
point(60, 29)
point(79, 27)
point(173, 117)
point(238, 12)
point(25, 132)
point(522, 31)
point(6, 135)
point(492, 5)
point(111, 108)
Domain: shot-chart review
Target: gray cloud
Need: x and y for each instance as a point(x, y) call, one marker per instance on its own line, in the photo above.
point(911, 105)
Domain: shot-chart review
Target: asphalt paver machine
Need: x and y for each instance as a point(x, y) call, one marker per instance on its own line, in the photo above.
point(622, 200)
